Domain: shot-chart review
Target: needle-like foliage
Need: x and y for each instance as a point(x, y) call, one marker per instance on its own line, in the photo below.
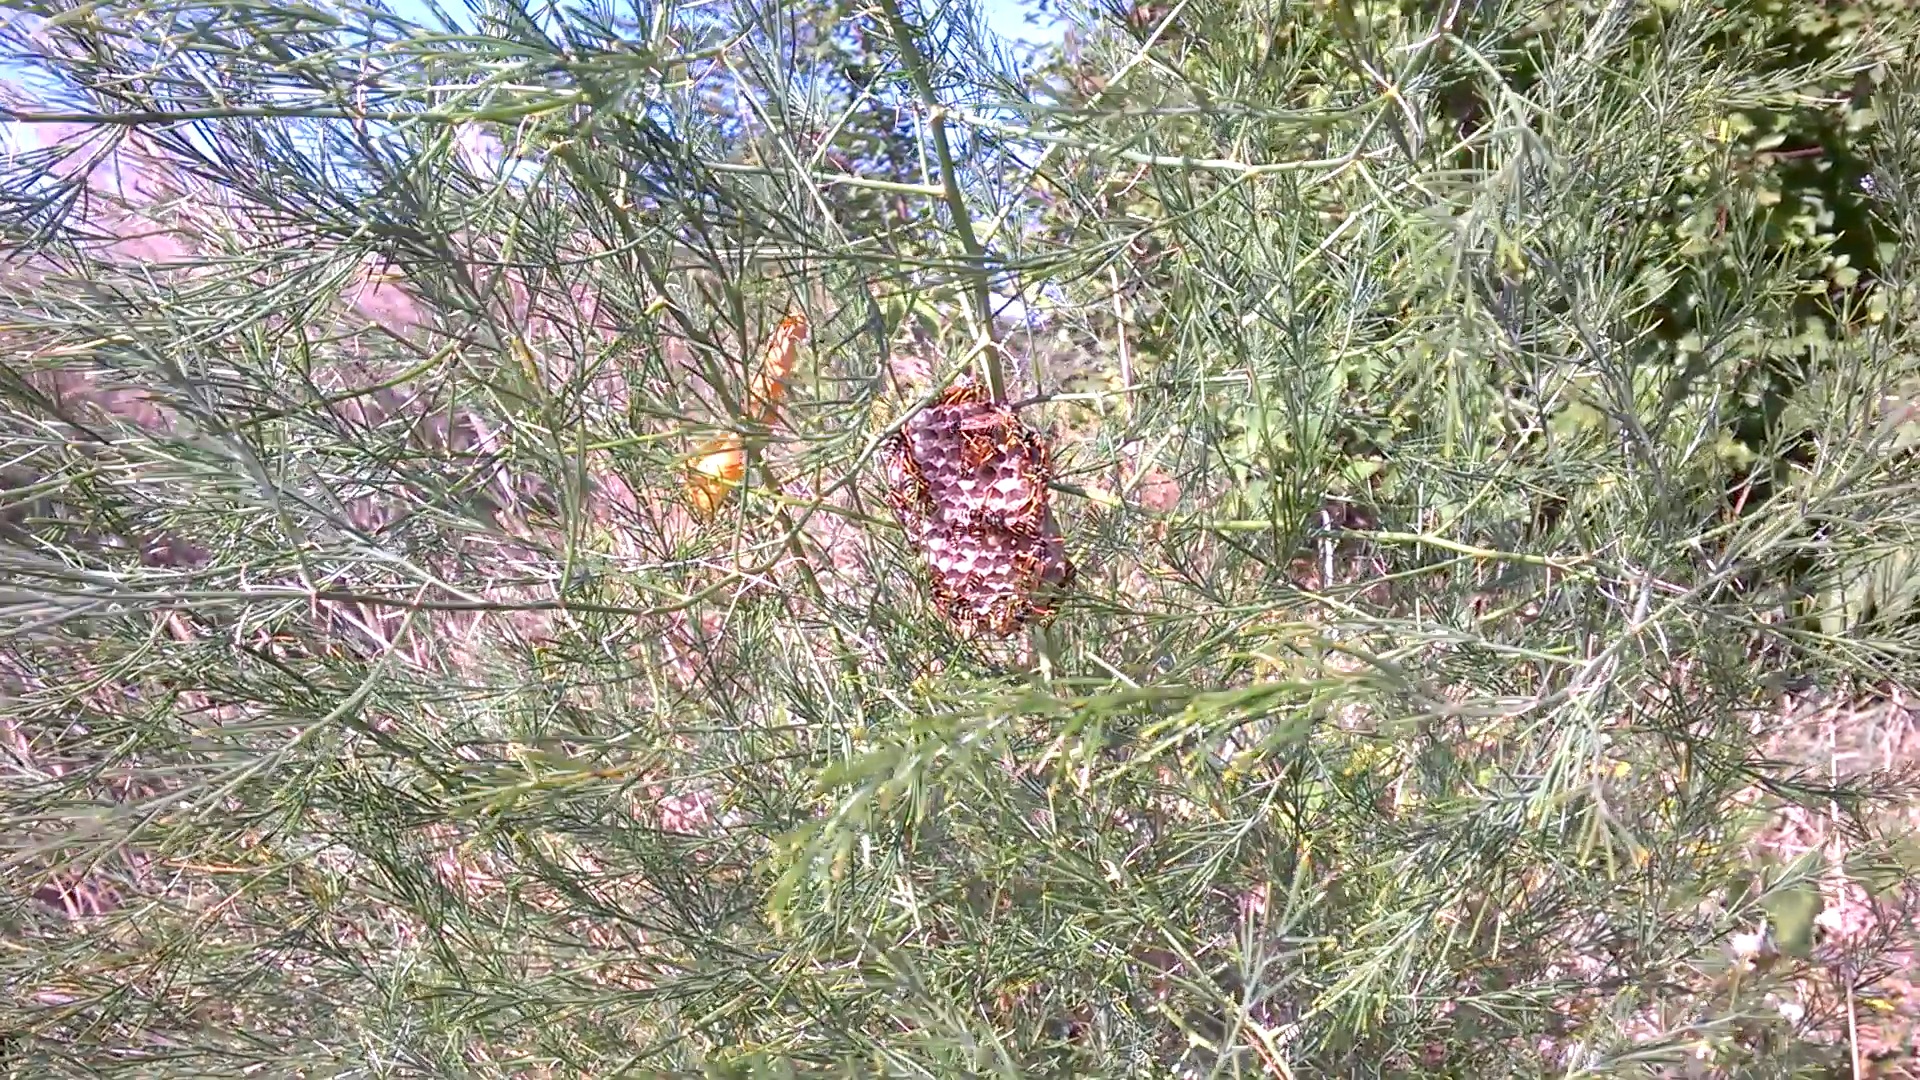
point(1476, 425)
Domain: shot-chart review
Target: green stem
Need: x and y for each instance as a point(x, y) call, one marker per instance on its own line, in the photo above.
point(956, 203)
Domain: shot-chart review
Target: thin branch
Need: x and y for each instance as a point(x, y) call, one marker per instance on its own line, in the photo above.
point(990, 358)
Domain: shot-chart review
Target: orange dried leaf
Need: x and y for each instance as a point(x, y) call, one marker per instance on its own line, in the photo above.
point(770, 384)
point(718, 466)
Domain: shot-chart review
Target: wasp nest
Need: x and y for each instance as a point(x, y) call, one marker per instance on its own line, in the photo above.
point(968, 482)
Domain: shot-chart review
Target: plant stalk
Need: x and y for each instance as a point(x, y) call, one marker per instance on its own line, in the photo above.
point(976, 256)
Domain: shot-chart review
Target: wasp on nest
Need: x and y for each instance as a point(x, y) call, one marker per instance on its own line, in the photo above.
point(967, 480)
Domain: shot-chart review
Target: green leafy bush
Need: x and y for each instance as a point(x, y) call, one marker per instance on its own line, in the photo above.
point(1476, 425)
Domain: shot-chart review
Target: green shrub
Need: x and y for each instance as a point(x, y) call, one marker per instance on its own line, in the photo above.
point(1476, 424)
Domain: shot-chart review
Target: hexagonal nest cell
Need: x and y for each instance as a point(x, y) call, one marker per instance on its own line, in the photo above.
point(967, 480)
